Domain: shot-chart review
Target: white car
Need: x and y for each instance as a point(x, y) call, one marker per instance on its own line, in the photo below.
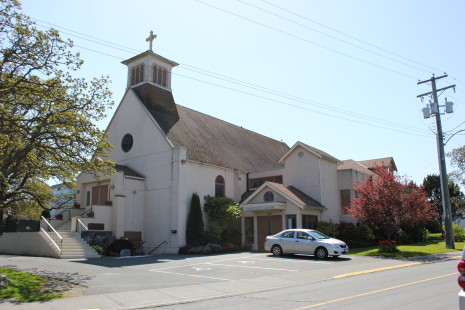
point(305, 241)
point(461, 281)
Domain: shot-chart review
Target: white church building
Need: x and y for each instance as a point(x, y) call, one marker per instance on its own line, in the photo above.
point(165, 152)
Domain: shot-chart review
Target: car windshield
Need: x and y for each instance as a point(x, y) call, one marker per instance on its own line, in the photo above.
point(318, 235)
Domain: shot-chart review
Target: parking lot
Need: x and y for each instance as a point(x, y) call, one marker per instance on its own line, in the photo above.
point(242, 267)
point(160, 280)
point(113, 275)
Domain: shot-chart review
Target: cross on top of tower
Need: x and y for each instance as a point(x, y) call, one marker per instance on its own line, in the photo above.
point(150, 39)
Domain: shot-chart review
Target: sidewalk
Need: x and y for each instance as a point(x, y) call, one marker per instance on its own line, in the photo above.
point(184, 294)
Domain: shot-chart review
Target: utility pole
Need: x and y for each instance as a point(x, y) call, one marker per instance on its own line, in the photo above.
point(433, 108)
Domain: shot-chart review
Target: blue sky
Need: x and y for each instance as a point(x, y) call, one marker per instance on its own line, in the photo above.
point(338, 75)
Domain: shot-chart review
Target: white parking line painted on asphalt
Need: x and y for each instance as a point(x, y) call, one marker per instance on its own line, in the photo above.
point(252, 267)
point(280, 259)
point(190, 275)
point(190, 265)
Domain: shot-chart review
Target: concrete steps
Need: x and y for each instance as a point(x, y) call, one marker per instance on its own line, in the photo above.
point(73, 245)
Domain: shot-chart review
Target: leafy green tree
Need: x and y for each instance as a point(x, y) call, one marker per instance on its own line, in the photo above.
point(458, 161)
point(47, 117)
point(432, 186)
point(224, 217)
point(195, 226)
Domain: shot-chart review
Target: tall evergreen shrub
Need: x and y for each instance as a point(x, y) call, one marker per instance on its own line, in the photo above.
point(195, 230)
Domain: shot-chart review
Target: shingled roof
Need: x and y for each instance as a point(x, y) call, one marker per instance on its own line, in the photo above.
point(297, 195)
point(387, 162)
point(354, 165)
point(208, 139)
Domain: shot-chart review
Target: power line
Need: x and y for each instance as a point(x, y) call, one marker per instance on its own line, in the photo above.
point(260, 88)
point(351, 37)
point(307, 41)
point(242, 83)
point(333, 37)
point(306, 101)
point(299, 107)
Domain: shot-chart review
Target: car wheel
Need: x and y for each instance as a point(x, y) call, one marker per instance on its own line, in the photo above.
point(321, 253)
point(276, 250)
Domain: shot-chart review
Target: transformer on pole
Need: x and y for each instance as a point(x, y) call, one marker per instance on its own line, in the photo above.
point(433, 109)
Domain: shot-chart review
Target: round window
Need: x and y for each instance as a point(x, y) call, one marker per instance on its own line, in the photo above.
point(127, 142)
point(300, 154)
point(268, 196)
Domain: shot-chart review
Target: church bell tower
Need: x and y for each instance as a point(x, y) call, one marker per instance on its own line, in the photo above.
point(149, 67)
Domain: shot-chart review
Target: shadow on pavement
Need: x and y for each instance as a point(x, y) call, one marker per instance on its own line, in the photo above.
point(312, 258)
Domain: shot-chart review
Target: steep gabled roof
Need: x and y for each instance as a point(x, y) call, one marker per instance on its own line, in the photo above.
point(208, 139)
point(311, 149)
point(289, 192)
point(297, 195)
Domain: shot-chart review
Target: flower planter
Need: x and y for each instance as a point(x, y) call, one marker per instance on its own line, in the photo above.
point(108, 203)
point(59, 216)
point(90, 214)
point(76, 205)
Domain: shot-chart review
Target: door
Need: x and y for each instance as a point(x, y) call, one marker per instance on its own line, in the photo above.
point(267, 225)
point(302, 244)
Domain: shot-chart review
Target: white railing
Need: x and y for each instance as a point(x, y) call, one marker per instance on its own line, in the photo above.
point(51, 233)
point(81, 225)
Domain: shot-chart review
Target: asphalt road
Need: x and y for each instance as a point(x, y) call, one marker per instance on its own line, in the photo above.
point(425, 286)
point(248, 281)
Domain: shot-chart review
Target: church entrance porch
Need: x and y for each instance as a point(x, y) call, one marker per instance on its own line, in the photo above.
point(267, 225)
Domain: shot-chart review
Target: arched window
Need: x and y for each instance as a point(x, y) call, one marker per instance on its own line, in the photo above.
point(159, 75)
point(137, 74)
point(219, 186)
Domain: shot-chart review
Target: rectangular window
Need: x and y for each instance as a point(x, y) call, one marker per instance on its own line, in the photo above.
point(249, 230)
point(291, 221)
point(88, 198)
point(309, 221)
point(163, 79)
point(345, 198)
point(256, 183)
point(99, 194)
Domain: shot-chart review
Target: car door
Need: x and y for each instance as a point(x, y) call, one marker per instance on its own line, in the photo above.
point(302, 244)
point(286, 241)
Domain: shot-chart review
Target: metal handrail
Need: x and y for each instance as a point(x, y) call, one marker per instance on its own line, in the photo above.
point(157, 247)
point(80, 223)
point(62, 212)
point(54, 236)
point(85, 212)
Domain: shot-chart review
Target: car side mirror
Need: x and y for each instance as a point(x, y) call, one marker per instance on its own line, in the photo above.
point(310, 238)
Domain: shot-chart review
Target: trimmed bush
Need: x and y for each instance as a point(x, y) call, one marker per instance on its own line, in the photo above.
point(355, 235)
point(459, 233)
point(195, 226)
point(224, 217)
point(328, 228)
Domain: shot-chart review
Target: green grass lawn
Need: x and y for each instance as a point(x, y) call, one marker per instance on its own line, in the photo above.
point(26, 287)
point(411, 250)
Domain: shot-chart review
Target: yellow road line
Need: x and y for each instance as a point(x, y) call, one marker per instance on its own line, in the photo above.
point(391, 267)
point(375, 292)
point(374, 270)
